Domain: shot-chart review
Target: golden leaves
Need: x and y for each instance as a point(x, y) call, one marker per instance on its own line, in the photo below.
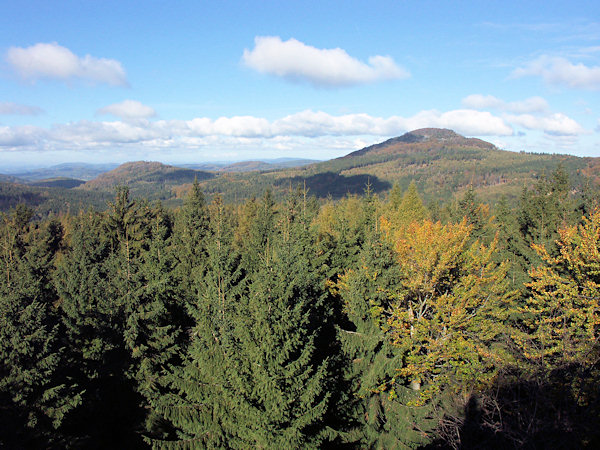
point(562, 315)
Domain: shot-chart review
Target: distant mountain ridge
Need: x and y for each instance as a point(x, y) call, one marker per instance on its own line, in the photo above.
point(441, 162)
point(77, 171)
point(252, 165)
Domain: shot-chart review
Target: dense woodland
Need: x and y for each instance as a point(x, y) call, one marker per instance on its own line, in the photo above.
point(372, 321)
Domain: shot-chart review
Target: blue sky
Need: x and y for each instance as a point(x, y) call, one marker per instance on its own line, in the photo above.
point(193, 81)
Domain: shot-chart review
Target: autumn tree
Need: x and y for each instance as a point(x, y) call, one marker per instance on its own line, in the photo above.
point(374, 416)
point(447, 312)
point(562, 315)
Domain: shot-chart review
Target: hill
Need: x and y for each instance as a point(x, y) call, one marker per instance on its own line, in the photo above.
point(60, 182)
point(151, 180)
point(10, 179)
point(50, 200)
point(441, 162)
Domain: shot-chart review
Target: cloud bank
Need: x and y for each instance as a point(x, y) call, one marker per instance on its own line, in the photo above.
point(202, 131)
point(52, 61)
point(128, 109)
point(532, 113)
point(560, 71)
point(556, 124)
point(296, 61)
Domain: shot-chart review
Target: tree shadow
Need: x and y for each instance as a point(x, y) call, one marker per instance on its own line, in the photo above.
point(335, 185)
point(558, 410)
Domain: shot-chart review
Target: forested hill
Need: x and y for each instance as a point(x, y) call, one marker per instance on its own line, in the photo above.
point(144, 176)
point(442, 163)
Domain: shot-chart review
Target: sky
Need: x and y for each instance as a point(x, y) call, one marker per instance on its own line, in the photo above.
point(195, 81)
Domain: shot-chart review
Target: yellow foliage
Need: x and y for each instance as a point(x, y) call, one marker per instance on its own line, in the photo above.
point(447, 314)
point(563, 314)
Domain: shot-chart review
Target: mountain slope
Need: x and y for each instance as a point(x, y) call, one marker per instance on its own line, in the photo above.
point(148, 179)
point(441, 162)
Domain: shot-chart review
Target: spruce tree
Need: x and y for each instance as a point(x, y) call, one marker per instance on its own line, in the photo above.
point(190, 239)
point(254, 375)
point(281, 393)
point(196, 403)
point(152, 331)
point(35, 395)
point(377, 406)
point(92, 283)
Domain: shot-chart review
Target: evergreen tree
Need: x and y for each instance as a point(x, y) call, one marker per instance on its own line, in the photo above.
point(196, 405)
point(254, 375)
point(280, 390)
point(152, 331)
point(411, 207)
point(395, 197)
point(34, 394)
point(477, 216)
point(376, 418)
point(191, 232)
point(92, 281)
point(512, 246)
point(545, 208)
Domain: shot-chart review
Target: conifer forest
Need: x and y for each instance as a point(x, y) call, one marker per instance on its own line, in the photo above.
point(375, 321)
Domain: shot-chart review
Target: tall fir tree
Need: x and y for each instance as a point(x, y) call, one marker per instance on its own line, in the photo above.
point(190, 239)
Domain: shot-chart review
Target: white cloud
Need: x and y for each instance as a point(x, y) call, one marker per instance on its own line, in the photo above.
point(532, 113)
point(9, 108)
point(52, 61)
point(23, 136)
point(296, 61)
point(560, 71)
point(464, 121)
point(303, 127)
point(529, 105)
point(556, 124)
point(87, 133)
point(128, 109)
